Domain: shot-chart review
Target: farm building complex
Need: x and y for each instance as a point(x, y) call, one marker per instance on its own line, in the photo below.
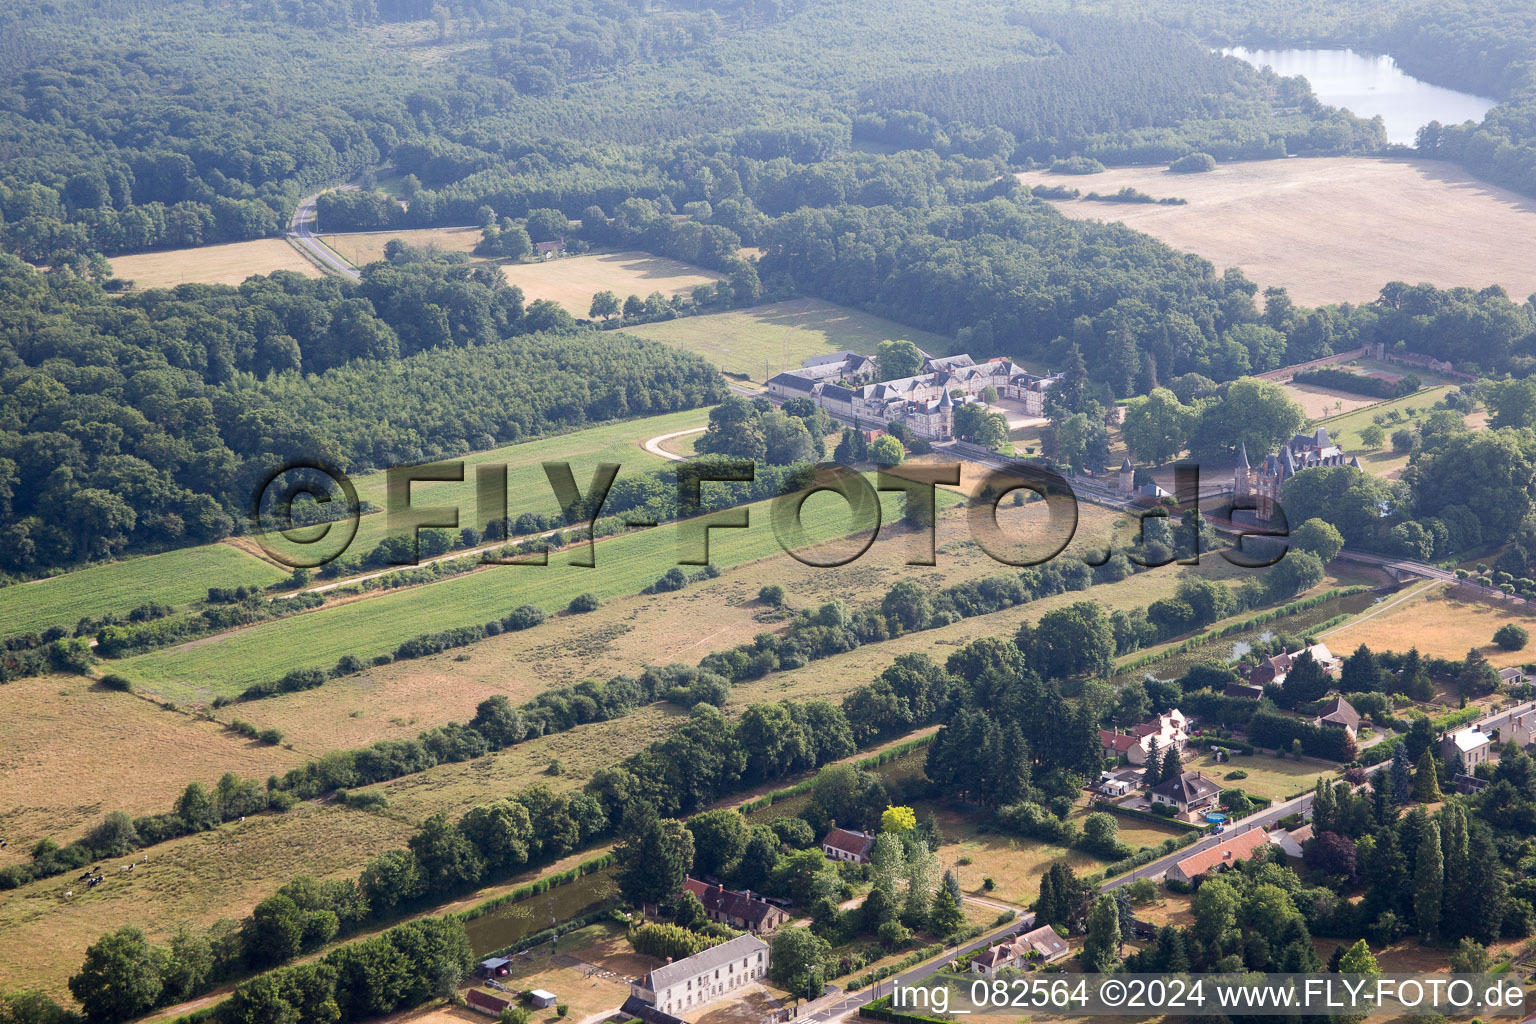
point(703, 977)
point(924, 403)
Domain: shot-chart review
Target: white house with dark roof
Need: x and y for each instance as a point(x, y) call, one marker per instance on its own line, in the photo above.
point(704, 977)
point(1040, 946)
point(1339, 713)
point(1190, 792)
point(841, 844)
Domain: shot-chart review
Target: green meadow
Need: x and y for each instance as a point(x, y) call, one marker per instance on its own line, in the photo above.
point(227, 663)
point(174, 577)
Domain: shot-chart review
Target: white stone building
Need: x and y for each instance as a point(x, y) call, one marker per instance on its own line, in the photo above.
point(704, 977)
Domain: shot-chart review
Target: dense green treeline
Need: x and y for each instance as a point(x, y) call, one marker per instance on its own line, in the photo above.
point(1114, 80)
point(148, 422)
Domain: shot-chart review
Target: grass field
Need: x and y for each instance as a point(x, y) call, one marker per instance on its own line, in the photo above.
point(1330, 230)
point(1345, 429)
point(528, 488)
point(70, 751)
point(572, 281)
point(1267, 776)
point(764, 340)
point(174, 577)
point(211, 264)
point(197, 879)
point(625, 563)
point(1440, 624)
point(361, 248)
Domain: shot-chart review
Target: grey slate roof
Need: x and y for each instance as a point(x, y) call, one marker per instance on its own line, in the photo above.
point(741, 947)
point(1186, 789)
point(792, 381)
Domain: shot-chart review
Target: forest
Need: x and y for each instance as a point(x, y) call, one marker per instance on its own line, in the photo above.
point(146, 422)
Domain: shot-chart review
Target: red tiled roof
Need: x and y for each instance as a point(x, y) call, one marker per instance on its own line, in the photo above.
point(1237, 849)
point(856, 843)
point(732, 904)
point(1117, 741)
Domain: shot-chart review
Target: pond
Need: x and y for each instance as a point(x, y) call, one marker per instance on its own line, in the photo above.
point(516, 921)
point(1368, 85)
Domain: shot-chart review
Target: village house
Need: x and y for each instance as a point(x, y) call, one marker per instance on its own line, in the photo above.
point(1191, 792)
point(636, 1009)
point(1245, 690)
point(1341, 714)
point(842, 844)
point(1218, 858)
point(1471, 743)
point(1040, 946)
point(549, 250)
point(736, 909)
point(1137, 744)
point(1291, 842)
point(1274, 670)
point(704, 977)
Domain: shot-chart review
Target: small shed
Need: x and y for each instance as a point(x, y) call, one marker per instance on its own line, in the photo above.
point(541, 999)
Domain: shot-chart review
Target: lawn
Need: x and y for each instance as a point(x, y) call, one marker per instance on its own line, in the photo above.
point(573, 280)
point(1267, 776)
point(1014, 864)
point(174, 577)
point(1383, 461)
point(211, 264)
point(763, 340)
point(361, 248)
point(225, 664)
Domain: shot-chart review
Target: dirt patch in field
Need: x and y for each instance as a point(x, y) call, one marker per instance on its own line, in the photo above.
point(572, 281)
point(1331, 229)
point(1320, 402)
point(211, 264)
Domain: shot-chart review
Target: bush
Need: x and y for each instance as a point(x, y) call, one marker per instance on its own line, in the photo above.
point(772, 594)
point(583, 603)
point(1077, 165)
point(113, 681)
point(1511, 637)
point(524, 616)
point(1236, 773)
point(271, 737)
point(1194, 163)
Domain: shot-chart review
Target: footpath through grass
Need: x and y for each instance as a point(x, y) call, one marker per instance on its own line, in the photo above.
point(224, 665)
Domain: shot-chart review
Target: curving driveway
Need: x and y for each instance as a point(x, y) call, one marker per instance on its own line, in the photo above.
point(301, 232)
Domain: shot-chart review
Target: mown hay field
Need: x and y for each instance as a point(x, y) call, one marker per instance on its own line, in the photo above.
point(174, 577)
point(1330, 229)
point(361, 248)
point(211, 264)
point(72, 750)
point(573, 280)
point(1441, 623)
point(763, 340)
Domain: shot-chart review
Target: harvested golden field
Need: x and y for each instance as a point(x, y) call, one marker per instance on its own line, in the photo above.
point(1439, 622)
point(573, 280)
point(211, 264)
point(361, 248)
point(763, 340)
point(1319, 403)
point(70, 751)
point(1331, 229)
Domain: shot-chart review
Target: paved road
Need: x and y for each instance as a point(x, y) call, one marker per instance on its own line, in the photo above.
point(849, 1003)
point(301, 231)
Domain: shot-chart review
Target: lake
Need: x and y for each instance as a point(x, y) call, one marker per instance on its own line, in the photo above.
point(1369, 85)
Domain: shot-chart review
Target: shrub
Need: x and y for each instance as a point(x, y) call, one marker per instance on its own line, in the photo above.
point(1511, 637)
point(1194, 163)
point(271, 737)
point(1237, 773)
point(771, 594)
point(583, 603)
point(524, 616)
point(113, 681)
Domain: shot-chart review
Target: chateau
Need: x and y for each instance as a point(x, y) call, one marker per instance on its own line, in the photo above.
point(1261, 487)
point(842, 384)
